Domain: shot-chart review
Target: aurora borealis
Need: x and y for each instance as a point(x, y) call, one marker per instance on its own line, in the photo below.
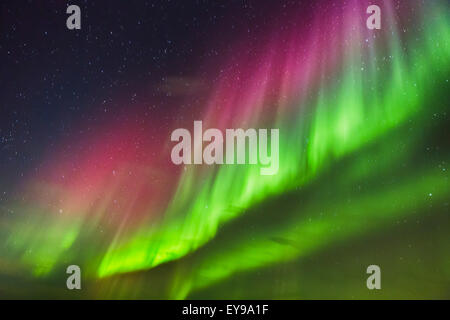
point(362, 179)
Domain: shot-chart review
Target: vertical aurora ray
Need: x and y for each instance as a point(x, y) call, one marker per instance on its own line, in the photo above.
point(346, 115)
point(342, 97)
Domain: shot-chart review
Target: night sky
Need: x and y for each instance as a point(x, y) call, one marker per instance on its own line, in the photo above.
point(85, 170)
point(54, 80)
